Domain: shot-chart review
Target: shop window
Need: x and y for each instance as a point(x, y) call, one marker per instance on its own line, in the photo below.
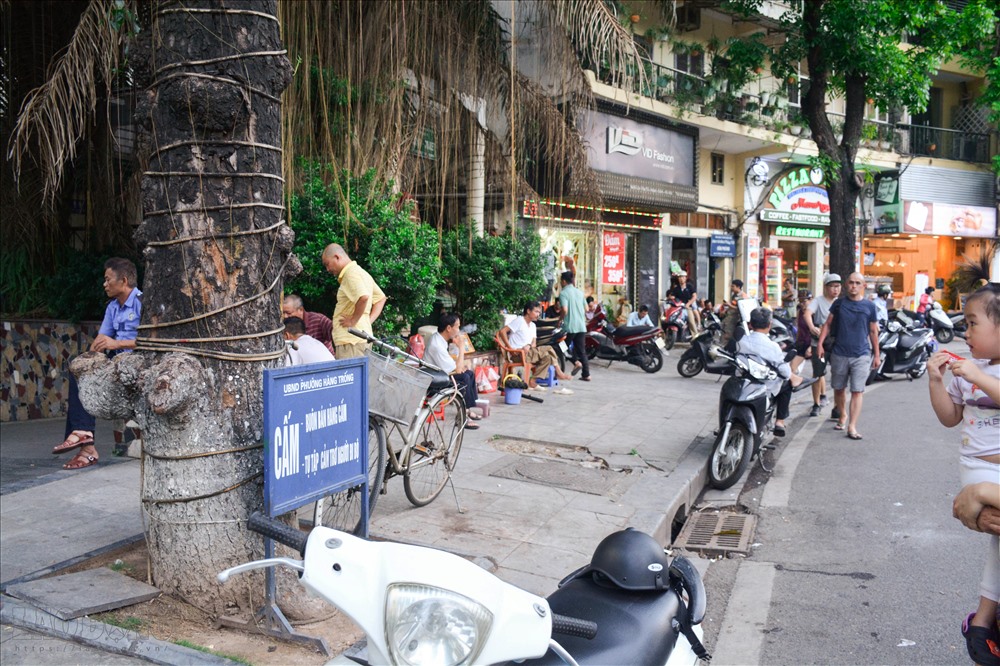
point(718, 169)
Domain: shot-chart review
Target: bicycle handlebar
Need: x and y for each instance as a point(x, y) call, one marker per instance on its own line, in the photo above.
point(388, 348)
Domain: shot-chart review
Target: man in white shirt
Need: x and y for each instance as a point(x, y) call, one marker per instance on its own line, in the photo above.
point(304, 348)
point(816, 313)
point(640, 318)
point(436, 353)
point(521, 333)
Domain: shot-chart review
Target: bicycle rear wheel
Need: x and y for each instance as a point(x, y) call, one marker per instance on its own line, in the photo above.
point(435, 446)
point(342, 511)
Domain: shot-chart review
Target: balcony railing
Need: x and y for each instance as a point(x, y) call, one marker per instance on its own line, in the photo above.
point(773, 111)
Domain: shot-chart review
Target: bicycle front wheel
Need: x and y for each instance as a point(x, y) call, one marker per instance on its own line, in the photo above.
point(342, 511)
point(434, 447)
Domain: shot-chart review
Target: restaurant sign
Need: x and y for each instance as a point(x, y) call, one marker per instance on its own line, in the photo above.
point(798, 197)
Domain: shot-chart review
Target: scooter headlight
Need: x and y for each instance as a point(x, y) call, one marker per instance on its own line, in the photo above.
point(429, 625)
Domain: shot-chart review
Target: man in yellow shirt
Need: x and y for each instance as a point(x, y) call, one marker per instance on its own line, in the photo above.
point(359, 301)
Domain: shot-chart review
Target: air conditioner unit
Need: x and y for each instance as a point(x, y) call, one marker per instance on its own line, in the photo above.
point(688, 18)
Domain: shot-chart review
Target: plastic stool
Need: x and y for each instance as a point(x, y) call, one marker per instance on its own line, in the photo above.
point(551, 381)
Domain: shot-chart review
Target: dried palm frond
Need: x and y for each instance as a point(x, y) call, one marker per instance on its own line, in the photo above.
point(55, 115)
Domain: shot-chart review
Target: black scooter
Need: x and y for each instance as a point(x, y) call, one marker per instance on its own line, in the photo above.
point(903, 350)
point(702, 354)
point(550, 332)
point(746, 419)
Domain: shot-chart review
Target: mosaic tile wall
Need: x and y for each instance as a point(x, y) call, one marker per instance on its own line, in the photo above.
point(34, 365)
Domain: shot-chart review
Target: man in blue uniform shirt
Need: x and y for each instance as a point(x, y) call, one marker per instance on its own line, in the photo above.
point(117, 335)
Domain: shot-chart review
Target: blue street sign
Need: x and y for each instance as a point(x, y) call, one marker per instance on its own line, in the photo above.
point(722, 245)
point(315, 432)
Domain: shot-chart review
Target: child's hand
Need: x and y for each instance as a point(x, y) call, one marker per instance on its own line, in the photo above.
point(936, 365)
point(967, 369)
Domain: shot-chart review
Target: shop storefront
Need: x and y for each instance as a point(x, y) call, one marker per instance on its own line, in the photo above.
point(924, 222)
point(645, 167)
point(794, 223)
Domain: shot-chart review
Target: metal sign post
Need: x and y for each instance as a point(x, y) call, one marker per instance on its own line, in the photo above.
point(315, 445)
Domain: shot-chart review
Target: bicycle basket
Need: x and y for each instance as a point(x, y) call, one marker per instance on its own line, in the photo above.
point(395, 390)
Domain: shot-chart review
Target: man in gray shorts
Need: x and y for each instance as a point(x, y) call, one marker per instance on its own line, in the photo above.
point(854, 322)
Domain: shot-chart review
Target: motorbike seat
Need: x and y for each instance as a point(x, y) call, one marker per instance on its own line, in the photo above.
point(908, 339)
point(644, 616)
point(628, 331)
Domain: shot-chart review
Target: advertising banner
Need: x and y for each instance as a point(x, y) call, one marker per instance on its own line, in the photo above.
point(315, 432)
point(752, 287)
point(798, 197)
point(941, 219)
point(613, 258)
point(888, 208)
point(640, 163)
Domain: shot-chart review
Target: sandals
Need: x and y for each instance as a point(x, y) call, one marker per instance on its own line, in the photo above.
point(576, 369)
point(982, 643)
point(468, 426)
point(81, 460)
point(854, 435)
point(840, 426)
point(82, 439)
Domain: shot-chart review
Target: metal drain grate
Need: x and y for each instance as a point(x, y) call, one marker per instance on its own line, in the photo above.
point(717, 532)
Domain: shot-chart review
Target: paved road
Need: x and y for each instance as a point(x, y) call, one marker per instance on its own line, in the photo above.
point(859, 560)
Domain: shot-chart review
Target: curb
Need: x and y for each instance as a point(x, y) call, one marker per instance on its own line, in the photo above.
point(105, 637)
point(65, 564)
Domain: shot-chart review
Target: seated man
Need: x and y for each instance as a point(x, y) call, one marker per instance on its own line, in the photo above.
point(117, 335)
point(318, 326)
point(640, 318)
point(686, 294)
point(304, 348)
point(757, 343)
point(436, 353)
point(521, 333)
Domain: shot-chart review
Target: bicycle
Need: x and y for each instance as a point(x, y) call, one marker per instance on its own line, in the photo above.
point(417, 404)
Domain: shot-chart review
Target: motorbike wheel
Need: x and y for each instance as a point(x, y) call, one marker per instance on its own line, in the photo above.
point(944, 335)
point(731, 457)
point(690, 364)
point(591, 352)
point(652, 359)
point(669, 338)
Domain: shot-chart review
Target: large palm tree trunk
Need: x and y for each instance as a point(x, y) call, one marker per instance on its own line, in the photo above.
point(216, 250)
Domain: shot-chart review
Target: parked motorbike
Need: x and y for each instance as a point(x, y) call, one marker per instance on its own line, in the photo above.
point(903, 350)
point(550, 332)
point(940, 323)
point(958, 322)
point(781, 334)
point(418, 605)
point(746, 419)
point(674, 323)
point(633, 344)
point(702, 353)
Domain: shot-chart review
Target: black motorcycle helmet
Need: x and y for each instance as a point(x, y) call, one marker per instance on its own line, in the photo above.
point(883, 290)
point(629, 559)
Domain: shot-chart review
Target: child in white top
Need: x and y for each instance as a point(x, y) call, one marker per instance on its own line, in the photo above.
point(972, 398)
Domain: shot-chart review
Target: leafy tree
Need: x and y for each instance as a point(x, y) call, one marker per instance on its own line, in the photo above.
point(489, 274)
point(377, 230)
point(851, 49)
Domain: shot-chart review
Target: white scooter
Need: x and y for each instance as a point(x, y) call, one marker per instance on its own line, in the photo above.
point(423, 606)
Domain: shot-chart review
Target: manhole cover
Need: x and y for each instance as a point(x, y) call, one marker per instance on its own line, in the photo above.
point(559, 475)
point(717, 532)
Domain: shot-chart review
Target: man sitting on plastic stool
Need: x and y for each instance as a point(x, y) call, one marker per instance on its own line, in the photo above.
point(521, 333)
point(436, 353)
